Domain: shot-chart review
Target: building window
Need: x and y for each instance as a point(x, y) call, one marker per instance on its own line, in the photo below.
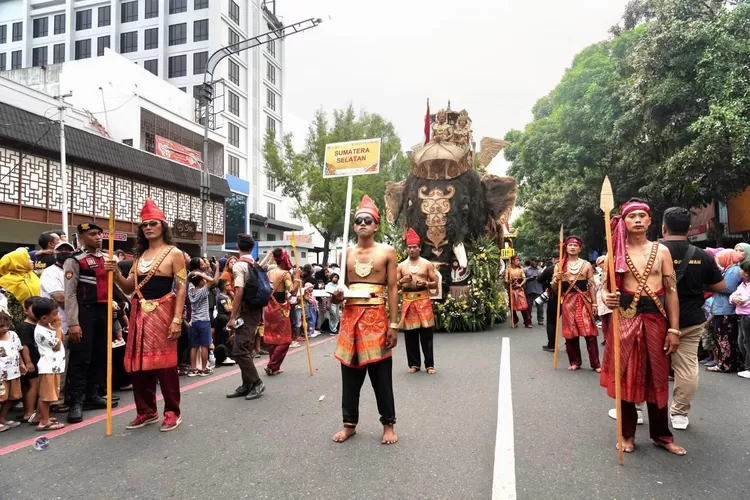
point(234, 135)
point(83, 49)
point(234, 166)
point(270, 124)
point(234, 103)
point(271, 236)
point(271, 47)
point(177, 6)
point(255, 235)
point(177, 66)
point(2, 61)
point(178, 34)
point(104, 17)
point(236, 219)
point(200, 4)
point(151, 39)
point(200, 30)
point(270, 183)
point(41, 27)
point(270, 72)
point(303, 254)
point(103, 43)
point(17, 32)
point(15, 59)
point(39, 57)
point(152, 65)
point(59, 24)
point(199, 62)
point(3, 33)
point(197, 92)
point(58, 53)
point(129, 12)
point(271, 99)
point(234, 12)
point(234, 72)
point(234, 38)
point(83, 20)
point(270, 210)
point(128, 42)
point(152, 9)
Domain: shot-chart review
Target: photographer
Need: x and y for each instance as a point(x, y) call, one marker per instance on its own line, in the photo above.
point(534, 289)
point(550, 298)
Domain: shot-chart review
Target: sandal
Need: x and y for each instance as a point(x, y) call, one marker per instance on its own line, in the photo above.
point(431, 371)
point(51, 419)
point(414, 369)
point(52, 426)
point(714, 368)
point(11, 424)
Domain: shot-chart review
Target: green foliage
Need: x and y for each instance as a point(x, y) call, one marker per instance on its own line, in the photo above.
point(300, 174)
point(486, 303)
point(661, 108)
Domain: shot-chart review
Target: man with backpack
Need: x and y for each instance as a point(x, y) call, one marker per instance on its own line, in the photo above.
point(252, 292)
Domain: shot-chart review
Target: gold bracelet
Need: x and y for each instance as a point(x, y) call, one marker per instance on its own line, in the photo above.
point(675, 332)
point(177, 321)
point(393, 326)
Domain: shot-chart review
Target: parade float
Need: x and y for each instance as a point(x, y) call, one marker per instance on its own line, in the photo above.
point(460, 213)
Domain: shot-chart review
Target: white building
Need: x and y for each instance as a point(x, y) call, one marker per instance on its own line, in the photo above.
point(173, 40)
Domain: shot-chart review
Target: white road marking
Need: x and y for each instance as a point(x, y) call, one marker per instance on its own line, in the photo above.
point(504, 475)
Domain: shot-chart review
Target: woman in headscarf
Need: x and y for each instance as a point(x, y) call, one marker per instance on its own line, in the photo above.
point(726, 323)
point(19, 281)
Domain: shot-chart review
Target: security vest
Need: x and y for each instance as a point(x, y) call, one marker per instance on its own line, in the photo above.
point(92, 279)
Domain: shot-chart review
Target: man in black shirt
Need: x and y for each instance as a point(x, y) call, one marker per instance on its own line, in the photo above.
point(700, 272)
point(545, 279)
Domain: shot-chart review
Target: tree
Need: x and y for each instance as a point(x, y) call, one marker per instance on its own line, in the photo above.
point(300, 175)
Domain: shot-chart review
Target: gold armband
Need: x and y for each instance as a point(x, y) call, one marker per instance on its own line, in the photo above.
point(181, 276)
point(670, 282)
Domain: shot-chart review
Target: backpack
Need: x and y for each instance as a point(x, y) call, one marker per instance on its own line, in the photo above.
point(257, 290)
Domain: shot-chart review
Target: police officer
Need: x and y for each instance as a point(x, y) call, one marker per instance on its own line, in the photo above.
point(86, 284)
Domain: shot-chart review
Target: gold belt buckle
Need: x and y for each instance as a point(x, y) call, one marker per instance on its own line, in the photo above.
point(149, 305)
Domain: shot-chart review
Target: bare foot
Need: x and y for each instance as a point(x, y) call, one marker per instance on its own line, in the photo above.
point(574, 368)
point(598, 370)
point(344, 434)
point(413, 369)
point(389, 436)
point(431, 371)
point(672, 448)
point(627, 445)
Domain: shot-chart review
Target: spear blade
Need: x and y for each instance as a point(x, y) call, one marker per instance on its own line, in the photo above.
point(607, 198)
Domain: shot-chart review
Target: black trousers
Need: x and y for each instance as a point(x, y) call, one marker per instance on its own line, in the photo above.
point(87, 371)
point(412, 339)
point(530, 298)
point(382, 383)
point(551, 320)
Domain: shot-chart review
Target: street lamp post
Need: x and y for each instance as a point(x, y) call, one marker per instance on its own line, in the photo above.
point(206, 96)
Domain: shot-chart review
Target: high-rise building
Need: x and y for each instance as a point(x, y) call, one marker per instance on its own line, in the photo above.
point(173, 39)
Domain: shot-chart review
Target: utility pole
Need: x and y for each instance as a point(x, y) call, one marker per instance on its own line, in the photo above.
point(207, 94)
point(64, 166)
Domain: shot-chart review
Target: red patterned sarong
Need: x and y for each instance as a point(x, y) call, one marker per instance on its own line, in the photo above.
point(148, 346)
point(645, 368)
point(277, 329)
point(416, 311)
point(362, 333)
point(577, 320)
point(519, 299)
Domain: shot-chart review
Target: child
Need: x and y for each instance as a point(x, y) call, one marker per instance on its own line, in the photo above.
point(741, 298)
point(311, 310)
point(334, 312)
point(200, 322)
point(48, 336)
point(30, 358)
point(11, 370)
point(221, 337)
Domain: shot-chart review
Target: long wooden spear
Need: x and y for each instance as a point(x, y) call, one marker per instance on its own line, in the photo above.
point(301, 302)
point(559, 298)
point(510, 291)
point(607, 204)
point(110, 296)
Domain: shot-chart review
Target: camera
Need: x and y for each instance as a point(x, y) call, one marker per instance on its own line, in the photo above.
point(542, 299)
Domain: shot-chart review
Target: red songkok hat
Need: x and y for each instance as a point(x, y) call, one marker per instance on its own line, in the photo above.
point(620, 234)
point(366, 206)
point(412, 238)
point(151, 211)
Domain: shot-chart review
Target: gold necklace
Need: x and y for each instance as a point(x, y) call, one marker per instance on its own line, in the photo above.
point(362, 269)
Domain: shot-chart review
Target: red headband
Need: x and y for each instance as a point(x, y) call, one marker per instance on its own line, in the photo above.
point(619, 233)
point(570, 239)
point(575, 240)
point(632, 206)
point(284, 261)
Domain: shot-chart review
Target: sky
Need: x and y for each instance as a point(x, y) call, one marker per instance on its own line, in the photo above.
point(494, 58)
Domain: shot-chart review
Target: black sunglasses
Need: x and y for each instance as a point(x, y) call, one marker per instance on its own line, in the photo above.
point(151, 223)
point(363, 220)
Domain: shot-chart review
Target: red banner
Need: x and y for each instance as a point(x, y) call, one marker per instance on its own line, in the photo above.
point(118, 236)
point(177, 152)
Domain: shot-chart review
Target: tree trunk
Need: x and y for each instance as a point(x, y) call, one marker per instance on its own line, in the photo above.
point(326, 249)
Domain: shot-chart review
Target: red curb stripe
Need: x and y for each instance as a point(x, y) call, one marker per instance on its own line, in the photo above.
point(71, 427)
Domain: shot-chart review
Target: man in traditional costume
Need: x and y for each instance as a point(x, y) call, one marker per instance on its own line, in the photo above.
point(577, 305)
point(649, 325)
point(277, 327)
point(157, 284)
point(86, 284)
point(366, 336)
point(416, 277)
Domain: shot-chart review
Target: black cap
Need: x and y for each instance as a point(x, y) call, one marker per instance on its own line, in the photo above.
point(87, 226)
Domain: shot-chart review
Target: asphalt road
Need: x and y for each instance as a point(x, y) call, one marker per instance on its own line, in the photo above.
point(279, 447)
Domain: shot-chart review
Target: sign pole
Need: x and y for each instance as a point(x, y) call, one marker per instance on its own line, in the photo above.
point(301, 301)
point(347, 223)
point(110, 285)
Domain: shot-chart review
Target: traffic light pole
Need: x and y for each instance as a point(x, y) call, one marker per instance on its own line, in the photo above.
point(206, 96)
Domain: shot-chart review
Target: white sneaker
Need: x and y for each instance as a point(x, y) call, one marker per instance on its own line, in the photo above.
point(744, 374)
point(680, 422)
point(229, 361)
point(613, 415)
